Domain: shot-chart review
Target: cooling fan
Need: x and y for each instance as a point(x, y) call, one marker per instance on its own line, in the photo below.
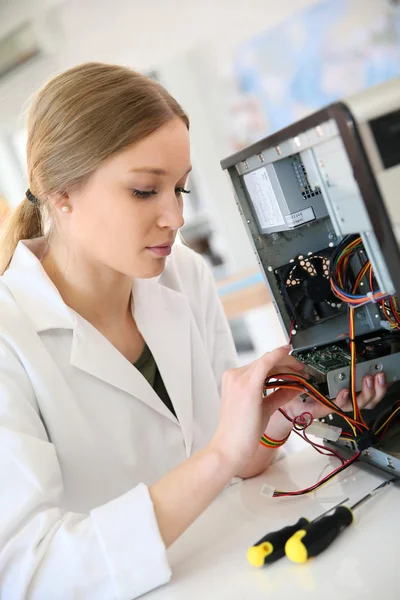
point(306, 289)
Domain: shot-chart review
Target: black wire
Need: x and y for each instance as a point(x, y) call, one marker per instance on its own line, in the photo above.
point(382, 417)
point(323, 481)
point(309, 392)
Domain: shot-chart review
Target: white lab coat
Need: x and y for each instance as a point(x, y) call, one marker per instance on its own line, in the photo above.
point(83, 435)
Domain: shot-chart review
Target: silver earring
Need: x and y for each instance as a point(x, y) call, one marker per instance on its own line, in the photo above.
point(65, 208)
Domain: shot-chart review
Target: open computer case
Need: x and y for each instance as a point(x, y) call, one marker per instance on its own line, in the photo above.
point(331, 179)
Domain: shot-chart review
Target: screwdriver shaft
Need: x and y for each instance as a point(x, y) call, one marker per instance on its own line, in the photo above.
point(372, 494)
point(328, 511)
point(319, 535)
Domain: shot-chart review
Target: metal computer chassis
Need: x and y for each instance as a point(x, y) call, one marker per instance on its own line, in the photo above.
point(372, 456)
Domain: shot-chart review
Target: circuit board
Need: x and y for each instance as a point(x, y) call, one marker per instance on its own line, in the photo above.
point(329, 366)
point(326, 359)
point(320, 361)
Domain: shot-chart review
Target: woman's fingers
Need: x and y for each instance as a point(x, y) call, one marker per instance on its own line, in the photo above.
point(292, 363)
point(379, 387)
point(279, 361)
point(279, 398)
point(343, 400)
point(275, 362)
point(373, 391)
point(368, 392)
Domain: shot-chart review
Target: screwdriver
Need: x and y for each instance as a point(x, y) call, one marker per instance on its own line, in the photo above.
point(271, 547)
point(319, 534)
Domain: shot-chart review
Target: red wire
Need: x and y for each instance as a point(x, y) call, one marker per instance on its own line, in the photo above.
point(292, 324)
point(317, 485)
point(319, 447)
point(303, 434)
point(383, 433)
point(371, 279)
point(284, 413)
point(299, 381)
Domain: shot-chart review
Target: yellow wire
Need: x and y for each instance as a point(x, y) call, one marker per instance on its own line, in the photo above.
point(309, 491)
point(387, 420)
point(361, 276)
point(393, 323)
point(320, 398)
point(316, 487)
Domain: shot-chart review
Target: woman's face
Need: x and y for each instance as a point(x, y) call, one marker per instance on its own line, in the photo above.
point(127, 215)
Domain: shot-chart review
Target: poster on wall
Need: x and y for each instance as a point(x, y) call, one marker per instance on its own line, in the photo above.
point(327, 52)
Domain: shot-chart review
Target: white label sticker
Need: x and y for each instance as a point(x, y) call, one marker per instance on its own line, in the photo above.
point(302, 216)
point(263, 198)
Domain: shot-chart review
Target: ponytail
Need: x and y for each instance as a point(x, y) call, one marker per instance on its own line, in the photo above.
point(24, 223)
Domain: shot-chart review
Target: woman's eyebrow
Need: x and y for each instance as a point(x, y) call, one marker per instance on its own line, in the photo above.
point(154, 171)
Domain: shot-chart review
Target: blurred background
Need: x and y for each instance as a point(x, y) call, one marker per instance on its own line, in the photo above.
point(240, 69)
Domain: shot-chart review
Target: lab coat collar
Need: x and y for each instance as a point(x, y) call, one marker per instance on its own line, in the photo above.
point(34, 291)
point(163, 316)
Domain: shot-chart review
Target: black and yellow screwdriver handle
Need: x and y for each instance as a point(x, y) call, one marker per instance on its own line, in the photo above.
point(318, 535)
point(272, 546)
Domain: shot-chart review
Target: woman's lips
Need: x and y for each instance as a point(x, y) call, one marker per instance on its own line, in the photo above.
point(163, 250)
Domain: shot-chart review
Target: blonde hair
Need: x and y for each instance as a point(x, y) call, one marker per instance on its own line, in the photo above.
point(79, 119)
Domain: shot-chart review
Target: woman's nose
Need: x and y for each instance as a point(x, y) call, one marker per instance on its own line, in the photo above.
point(171, 215)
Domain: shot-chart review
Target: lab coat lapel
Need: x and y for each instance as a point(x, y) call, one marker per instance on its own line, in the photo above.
point(93, 353)
point(164, 318)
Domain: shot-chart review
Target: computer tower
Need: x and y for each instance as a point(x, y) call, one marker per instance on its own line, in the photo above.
point(303, 192)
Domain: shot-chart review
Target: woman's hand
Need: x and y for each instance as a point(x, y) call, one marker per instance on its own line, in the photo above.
point(373, 391)
point(182, 495)
point(244, 411)
point(278, 427)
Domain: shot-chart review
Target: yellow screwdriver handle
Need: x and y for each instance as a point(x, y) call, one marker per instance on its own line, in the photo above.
point(318, 535)
point(272, 546)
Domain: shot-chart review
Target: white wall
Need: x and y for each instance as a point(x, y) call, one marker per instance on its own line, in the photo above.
point(178, 38)
point(141, 33)
point(190, 80)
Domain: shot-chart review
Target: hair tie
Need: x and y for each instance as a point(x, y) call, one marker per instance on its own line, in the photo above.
point(31, 197)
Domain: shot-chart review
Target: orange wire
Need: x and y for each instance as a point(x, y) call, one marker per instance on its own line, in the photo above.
point(353, 353)
point(319, 397)
point(361, 276)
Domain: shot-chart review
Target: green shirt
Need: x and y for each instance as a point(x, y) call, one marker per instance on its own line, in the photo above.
point(147, 366)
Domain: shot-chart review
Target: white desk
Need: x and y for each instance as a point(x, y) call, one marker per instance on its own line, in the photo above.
point(209, 561)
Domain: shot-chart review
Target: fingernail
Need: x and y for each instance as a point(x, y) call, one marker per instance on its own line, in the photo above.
point(381, 379)
point(345, 394)
point(370, 383)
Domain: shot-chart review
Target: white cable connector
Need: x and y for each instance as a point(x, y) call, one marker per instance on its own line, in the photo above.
point(371, 297)
point(267, 490)
point(324, 431)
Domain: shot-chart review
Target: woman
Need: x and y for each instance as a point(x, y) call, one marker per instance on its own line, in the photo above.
point(113, 348)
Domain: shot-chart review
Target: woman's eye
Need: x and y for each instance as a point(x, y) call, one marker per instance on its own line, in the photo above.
point(147, 194)
point(143, 194)
point(181, 190)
